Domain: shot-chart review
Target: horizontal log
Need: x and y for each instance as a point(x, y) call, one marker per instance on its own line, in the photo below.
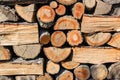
point(95, 55)
point(25, 78)
point(92, 23)
point(18, 33)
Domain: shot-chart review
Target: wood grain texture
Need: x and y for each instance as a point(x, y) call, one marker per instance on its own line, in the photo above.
point(4, 54)
point(67, 2)
point(46, 76)
point(95, 55)
point(18, 33)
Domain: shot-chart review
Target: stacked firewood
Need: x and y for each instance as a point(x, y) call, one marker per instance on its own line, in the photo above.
point(59, 40)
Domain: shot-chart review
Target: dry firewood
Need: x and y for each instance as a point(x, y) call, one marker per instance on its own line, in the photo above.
point(7, 14)
point(25, 78)
point(101, 55)
point(60, 10)
point(46, 76)
point(116, 12)
point(102, 8)
point(78, 10)
point(18, 33)
point(58, 38)
point(53, 4)
point(112, 1)
point(99, 72)
point(45, 16)
point(65, 75)
point(92, 24)
point(34, 67)
point(57, 54)
point(82, 72)
point(114, 71)
point(66, 22)
point(74, 37)
point(26, 12)
point(89, 4)
point(97, 39)
point(5, 78)
point(67, 2)
point(44, 37)
point(52, 68)
point(29, 51)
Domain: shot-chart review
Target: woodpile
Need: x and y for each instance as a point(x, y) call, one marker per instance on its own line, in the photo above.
point(59, 40)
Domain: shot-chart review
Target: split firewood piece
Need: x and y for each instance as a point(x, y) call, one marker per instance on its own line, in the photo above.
point(74, 37)
point(67, 2)
point(45, 16)
point(29, 51)
point(25, 78)
point(58, 38)
point(18, 33)
point(34, 67)
point(66, 22)
point(101, 55)
point(78, 10)
point(89, 4)
point(53, 4)
point(97, 39)
point(112, 1)
point(60, 10)
point(65, 75)
point(7, 14)
point(57, 54)
point(92, 24)
point(46, 76)
point(26, 12)
point(82, 72)
point(52, 68)
point(44, 37)
point(116, 12)
point(5, 78)
point(115, 40)
point(4, 54)
point(102, 8)
point(114, 71)
point(99, 72)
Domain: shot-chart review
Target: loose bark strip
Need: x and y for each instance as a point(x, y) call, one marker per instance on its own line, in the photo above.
point(57, 54)
point(22, 68)
point(102, 8)
point(12, 2)
point(92, 24)
point(26, 12)
point(74, 37)
point(18, 33)
point(5, 78)
point(99, 72)
point(45, 16)
point(78, 10)
point(67, 2)
point(7, 14)
point(29, 51)
point(58, 38)
point(4, 54)
point(97, 39)
point(45, 77)
point(101, 55)
point(44, 37)
point(61, 10)
point(114, 71)
point(112, 1)
point(52, 68)
point(25, 78)
point(116, 12)
point(53, 4)
point(115, 40)
point(90, 4)
point(66, 22)
point(82, 72)
point(65, 75)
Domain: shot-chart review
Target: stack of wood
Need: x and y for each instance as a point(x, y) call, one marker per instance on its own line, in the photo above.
point(59, 39)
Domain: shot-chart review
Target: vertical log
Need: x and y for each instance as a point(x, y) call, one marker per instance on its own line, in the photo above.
point(53, 4)
point(45, 77)
point(61, 10)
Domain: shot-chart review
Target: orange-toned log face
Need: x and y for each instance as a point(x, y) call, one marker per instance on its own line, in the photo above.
point(46, 14)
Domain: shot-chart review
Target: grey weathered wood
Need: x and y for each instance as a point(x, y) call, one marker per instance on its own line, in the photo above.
point(112, 1)
point(25, 78)
point(116, 12)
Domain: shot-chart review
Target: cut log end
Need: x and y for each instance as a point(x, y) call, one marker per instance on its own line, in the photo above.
point(45, 77)
point(4, 54)
point(90, 4)
point(61, 10)
point(67, 2)
point(53, 4)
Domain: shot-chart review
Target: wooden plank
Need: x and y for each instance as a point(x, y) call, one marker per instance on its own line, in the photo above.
point(92, 23)
point(18, 33)
point(22, 68)
point(95, 55)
